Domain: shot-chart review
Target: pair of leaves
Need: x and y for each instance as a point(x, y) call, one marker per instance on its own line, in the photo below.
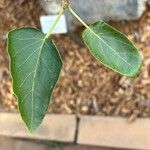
point(36, 64)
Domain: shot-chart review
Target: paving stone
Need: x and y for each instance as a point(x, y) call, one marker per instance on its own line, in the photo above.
point(21, 144)
point(114, 132)
point(109, 9)
point(99, 9)
point(84, 147)
point(54, 127)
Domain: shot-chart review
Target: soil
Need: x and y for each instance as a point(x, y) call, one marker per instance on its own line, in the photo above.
point(85, 86)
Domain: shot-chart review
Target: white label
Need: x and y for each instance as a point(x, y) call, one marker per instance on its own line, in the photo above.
point(46, 22)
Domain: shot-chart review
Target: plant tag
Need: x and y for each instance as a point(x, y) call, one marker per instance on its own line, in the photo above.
point(47, 21)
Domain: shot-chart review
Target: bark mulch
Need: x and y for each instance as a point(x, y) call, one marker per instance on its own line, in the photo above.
point(85, 86)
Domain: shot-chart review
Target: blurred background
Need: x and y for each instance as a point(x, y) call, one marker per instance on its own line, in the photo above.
point(85, 86)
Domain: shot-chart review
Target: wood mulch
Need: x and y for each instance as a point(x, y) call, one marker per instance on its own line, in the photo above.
point(85, 86)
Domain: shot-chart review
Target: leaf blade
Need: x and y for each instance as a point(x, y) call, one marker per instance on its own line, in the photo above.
point(112, 49)
point(35, 69)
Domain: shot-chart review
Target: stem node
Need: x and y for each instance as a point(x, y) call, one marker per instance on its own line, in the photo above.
point(65, 4)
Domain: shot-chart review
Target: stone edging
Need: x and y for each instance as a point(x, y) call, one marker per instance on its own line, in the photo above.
point(54, 127)
point(114, 132)
point(88, 130)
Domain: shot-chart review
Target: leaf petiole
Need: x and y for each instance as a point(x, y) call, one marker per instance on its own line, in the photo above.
point(54, 23)
point(74, 14)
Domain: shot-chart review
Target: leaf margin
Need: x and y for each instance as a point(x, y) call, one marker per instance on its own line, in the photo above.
point(139, 53)
point(31, 130)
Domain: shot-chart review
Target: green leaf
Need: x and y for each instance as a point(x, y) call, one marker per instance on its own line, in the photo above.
point(112, 48)
point(35, 69)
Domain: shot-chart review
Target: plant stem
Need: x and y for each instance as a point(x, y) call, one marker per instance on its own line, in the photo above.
point(54, 23)
point(73, 12)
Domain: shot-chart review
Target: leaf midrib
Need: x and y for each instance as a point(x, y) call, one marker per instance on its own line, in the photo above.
point(109, 47)
point(34, 76)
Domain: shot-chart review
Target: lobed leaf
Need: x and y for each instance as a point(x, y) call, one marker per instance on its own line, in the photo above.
point(35, 68)
point(112, 48)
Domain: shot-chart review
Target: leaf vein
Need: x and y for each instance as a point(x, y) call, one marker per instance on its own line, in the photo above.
point(19, 51)
point(110, 48)
point(26, 79)
point(27, 58)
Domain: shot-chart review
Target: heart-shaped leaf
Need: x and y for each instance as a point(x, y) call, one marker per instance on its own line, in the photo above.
point(112, 48)
point(35, 69)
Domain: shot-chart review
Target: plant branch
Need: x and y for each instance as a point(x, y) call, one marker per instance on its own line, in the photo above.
point(54, 23)
point(74, 14)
